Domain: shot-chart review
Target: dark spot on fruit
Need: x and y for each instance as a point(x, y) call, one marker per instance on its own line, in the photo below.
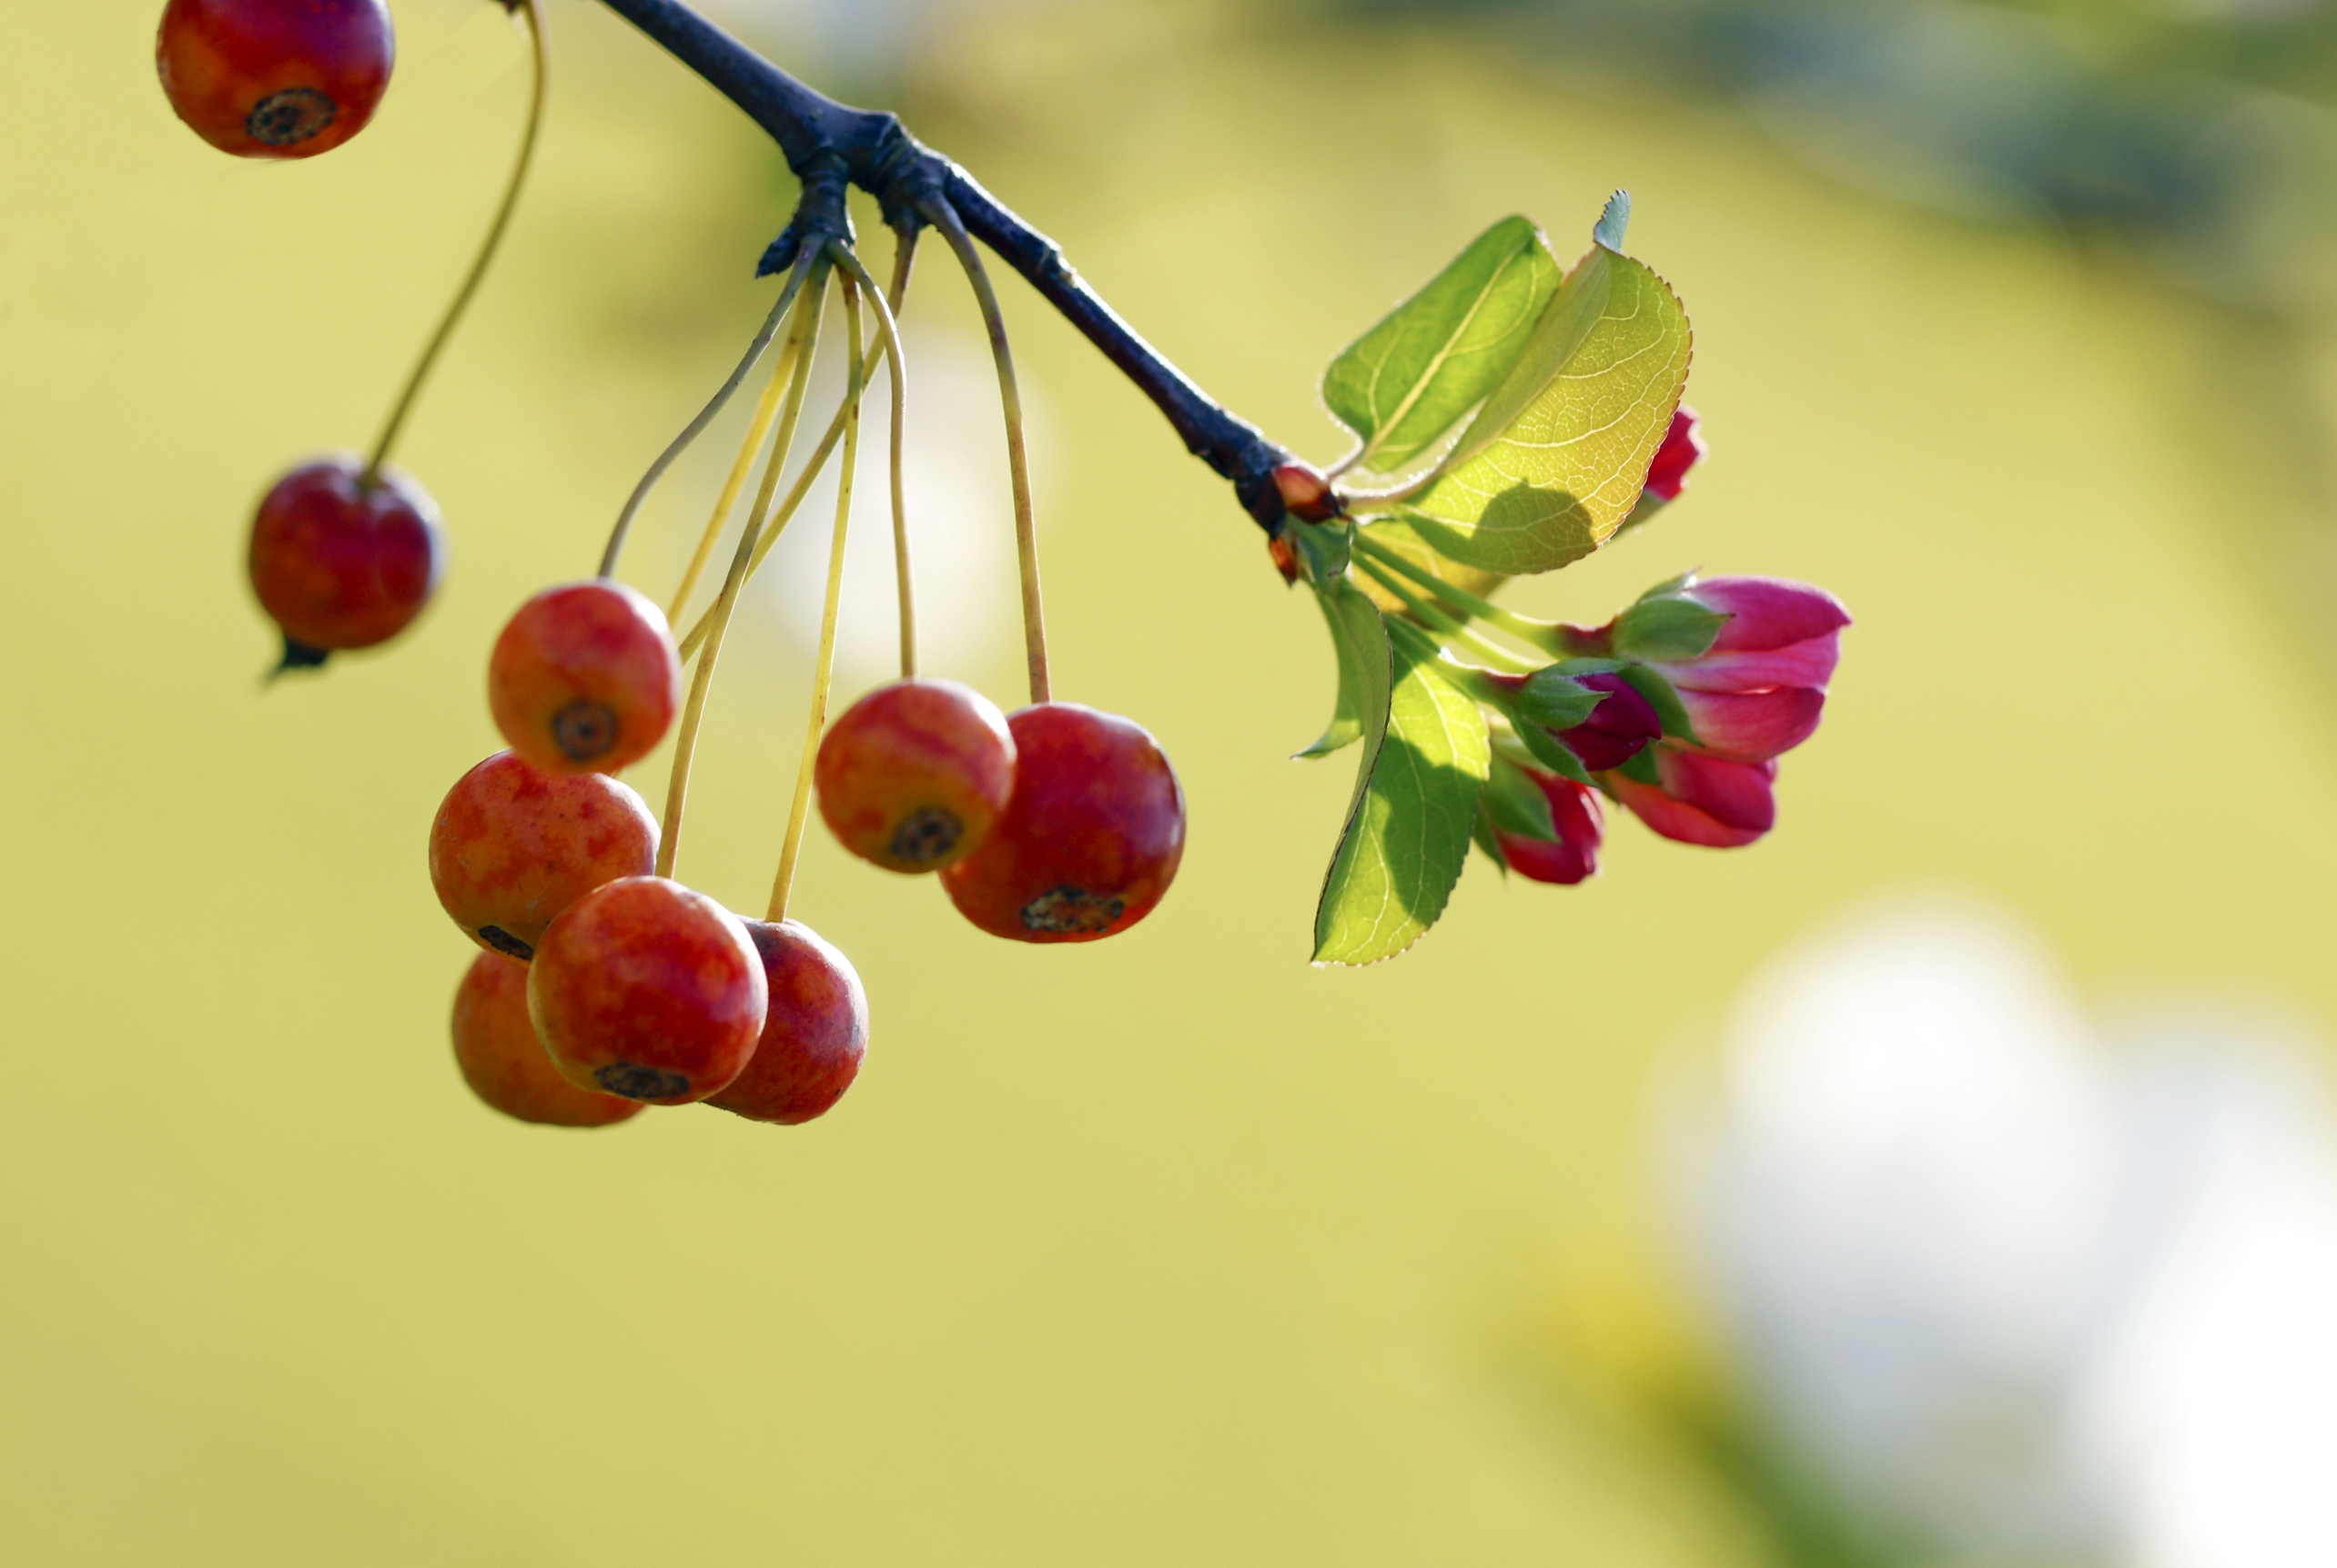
point(584, 729)
point(503, 942)
point(927, 835)
point(290, 117)
point(633, 1081)
point(1071, 910)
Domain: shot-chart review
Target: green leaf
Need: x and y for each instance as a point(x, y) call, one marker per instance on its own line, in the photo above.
point(1663, 700)
point(1411, 378)
point(1614, 219)
point(1516, 802)
point(1359, 639)
point(1407, 834)
point(1555, 701)
point(1667, 627)
point(1555, 461)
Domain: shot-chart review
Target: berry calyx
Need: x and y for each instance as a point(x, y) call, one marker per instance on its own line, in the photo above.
point(501, 1059)
point(646, 989)
point(1091, 838)
point(341, 559)
point(913, 775)
point(275, 78)
point(584, 678)
point(513, 845)
point(814, 1032)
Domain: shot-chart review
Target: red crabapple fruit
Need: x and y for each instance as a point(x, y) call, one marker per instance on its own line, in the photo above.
point(275, 78)
point(1091, 838)
point(646, 989)
point(813, 1035)
point(512, 846)
point(585, 678)
point(342, 561)
point(504, 1063)
point(913, 774)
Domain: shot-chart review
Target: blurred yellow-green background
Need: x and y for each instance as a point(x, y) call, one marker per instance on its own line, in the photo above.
point(1170, 1251)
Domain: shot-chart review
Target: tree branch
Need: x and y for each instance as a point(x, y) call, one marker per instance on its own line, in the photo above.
point(832, 146)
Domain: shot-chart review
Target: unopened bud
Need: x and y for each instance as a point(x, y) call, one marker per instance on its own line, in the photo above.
point(1305, 493)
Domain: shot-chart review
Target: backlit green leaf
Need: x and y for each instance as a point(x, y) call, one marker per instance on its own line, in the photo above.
point(1407, 835)
point(1360, 643)
point(1555, 461)
point(1405, 383)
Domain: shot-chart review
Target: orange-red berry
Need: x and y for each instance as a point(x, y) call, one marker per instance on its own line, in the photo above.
point(813, 1035)
point(275, 78)
point(504, 1063)
point(912, 775)
point(513, 845)
point(1091, 838)
point(646, 989)
point(342, 561)
point(585, 678)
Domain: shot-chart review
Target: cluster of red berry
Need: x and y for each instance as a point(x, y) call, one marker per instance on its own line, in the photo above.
point(604, 984)
point(604, 987)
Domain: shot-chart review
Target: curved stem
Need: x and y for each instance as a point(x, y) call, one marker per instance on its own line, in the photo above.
point(766, 410)
point(823, 671)
point(1543, 634)
point(890, 329)
point(945, 218)
point(540, 57)
point(1446, 626)
point(685, 746)
point(805, 477)
point(691, 431)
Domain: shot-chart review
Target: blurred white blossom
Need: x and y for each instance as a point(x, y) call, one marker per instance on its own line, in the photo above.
point(2013, 1286)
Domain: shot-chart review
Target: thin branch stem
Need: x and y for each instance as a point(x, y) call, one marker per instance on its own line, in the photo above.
point(823, 140)
point(824, 672)
point(690, 432)
point(904, 579)
point(766, 410)
point(685, 746)
point(945, 218)
point(539, 58)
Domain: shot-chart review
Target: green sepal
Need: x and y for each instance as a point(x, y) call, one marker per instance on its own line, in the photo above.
point(1483, 833)
point(1555, 701)
point(1668, 627)
point(1661, 697)
point(1360, 641)
point(1641, 766)
point(1405, 383)
point(1516, 803)
point(1670, 585)
point(1551, 752)
point(1586, 665)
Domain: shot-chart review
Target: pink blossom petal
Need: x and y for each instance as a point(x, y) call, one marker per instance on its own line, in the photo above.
point(1809, 663)
point(1768, 613)
point(1753, 726)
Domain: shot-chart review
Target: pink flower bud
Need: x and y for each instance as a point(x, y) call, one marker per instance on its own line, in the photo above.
point(1701, 799)
point(1778, 633)
point(1581, 823)
point(1617, 728)
point(1683, 448)
point(1753, 726)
